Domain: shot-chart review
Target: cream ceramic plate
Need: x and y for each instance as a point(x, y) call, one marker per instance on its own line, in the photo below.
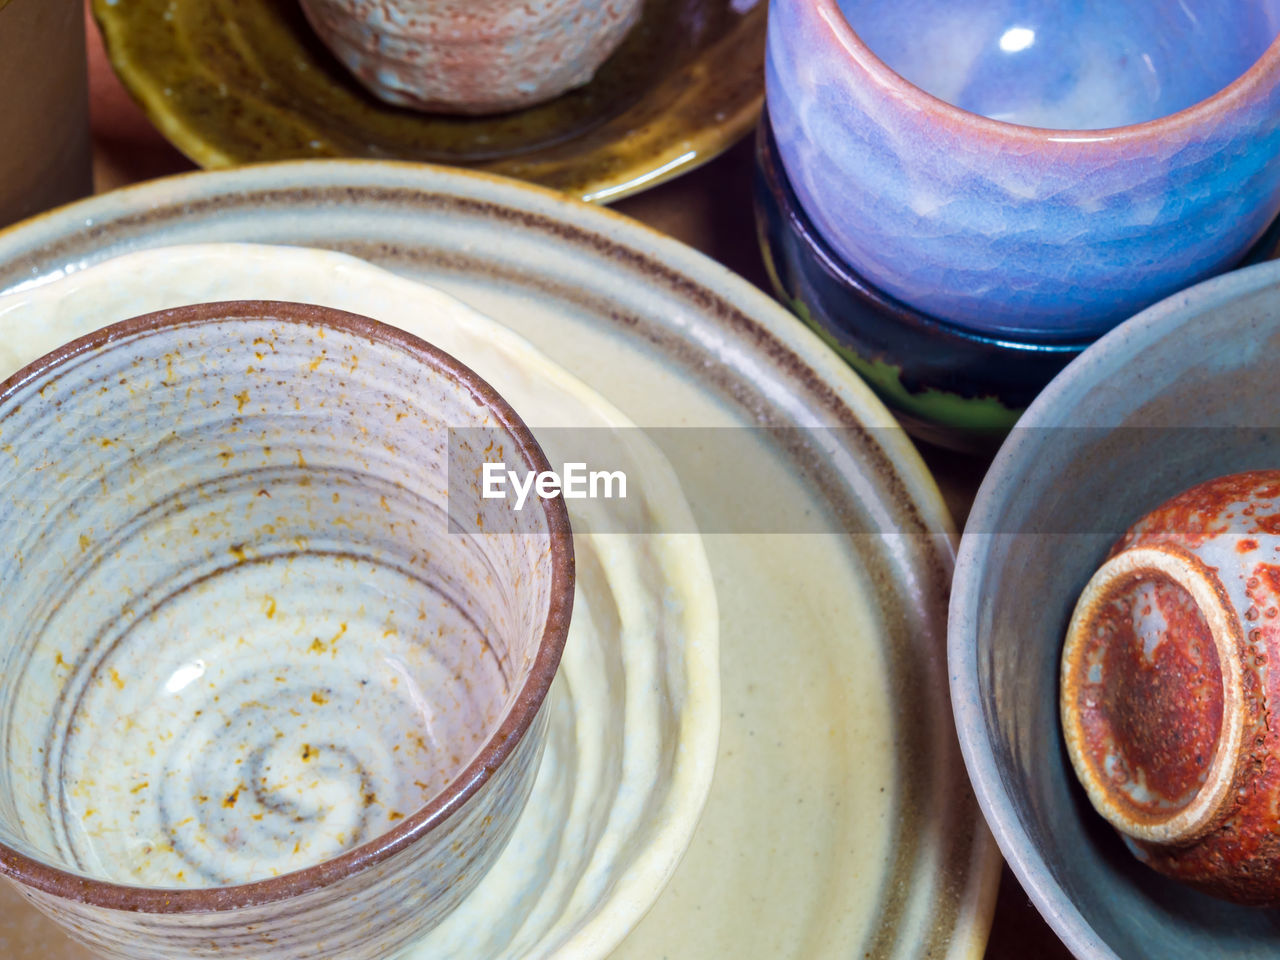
point(840, 823)
point(632, 740)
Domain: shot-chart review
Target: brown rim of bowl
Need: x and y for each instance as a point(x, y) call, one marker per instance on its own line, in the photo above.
point(115, 896)
point(885, 77)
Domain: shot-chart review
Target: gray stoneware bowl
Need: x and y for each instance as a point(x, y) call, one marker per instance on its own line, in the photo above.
point(1181, 393)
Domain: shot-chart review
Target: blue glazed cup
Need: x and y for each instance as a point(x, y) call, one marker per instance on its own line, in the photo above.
point(948, 385)
point(952, 387)
point(1135, 154)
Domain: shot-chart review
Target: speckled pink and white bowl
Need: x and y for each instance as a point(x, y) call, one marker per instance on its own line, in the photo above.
point(472, 56)
point(273, 668)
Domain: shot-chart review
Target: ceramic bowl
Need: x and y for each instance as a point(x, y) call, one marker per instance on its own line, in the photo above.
point(1166, 687)
point(1176, 396)
point(949, 385)
point(249, 82)
point(1026, 168)
point(472, 56)
point(270, 685)
point(634, 712)
point(672, 339)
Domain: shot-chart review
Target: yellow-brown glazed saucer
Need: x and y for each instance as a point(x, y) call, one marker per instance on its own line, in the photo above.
point(230, 82)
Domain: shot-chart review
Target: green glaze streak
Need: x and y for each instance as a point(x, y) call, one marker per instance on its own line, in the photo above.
point(986, 415)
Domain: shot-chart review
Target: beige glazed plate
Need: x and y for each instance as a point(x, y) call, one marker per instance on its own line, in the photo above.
point(241, 81)
point(840, 824)
point(634, 712)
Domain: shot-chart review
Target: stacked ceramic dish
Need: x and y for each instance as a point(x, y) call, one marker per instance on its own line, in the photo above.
point(578, 835)
point(1174, 397)
point(961, 196)
point(597, 100)
point(290, 761)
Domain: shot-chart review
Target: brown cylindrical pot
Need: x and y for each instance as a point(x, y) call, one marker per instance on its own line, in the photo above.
point(45, 158)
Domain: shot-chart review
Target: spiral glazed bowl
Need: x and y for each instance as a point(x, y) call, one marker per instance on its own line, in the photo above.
point(472, 56)
point(1028, 168)
point(269, 684)
point(1172, 398)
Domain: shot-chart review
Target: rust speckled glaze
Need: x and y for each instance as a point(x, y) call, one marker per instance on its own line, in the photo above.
point(634, 712)
point(1167, 691)
point(242, 81)
point(260, 692)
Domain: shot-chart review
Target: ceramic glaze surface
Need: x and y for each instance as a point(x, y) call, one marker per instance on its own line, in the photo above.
point(633, 716)
point(1072, 65)
point(1171, 399)
point(245, 637)
point(1168, 726)
point(830, 642)
point(1012, 229)
point(247, 82)
point(948, 385)
point(472, 56)
point(1145, 694)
